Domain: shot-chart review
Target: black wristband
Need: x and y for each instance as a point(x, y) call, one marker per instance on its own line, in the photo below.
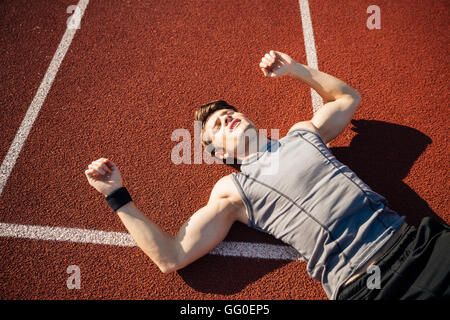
point(118, 198)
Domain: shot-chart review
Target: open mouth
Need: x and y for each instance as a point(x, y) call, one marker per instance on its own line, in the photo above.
point(234, 124)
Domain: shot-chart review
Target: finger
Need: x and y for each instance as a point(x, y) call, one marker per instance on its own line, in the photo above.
point(262, 64)
point(101, 161)
point(96, 167)
point(268, 73)
point(105, 168)
point(269, 57)
point(94, 173)
point(110, 164)
point(273, 75)
point(267, 61)
point(101, 166)
point(91, 173)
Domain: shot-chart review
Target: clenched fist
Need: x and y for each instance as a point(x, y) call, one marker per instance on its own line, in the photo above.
point(275, 64)
point(104, 176)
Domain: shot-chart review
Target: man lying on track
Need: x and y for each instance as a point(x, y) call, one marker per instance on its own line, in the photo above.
point(297, 191)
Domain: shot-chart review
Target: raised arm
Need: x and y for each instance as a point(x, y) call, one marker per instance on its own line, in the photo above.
point(341, 100)
point(199, 235)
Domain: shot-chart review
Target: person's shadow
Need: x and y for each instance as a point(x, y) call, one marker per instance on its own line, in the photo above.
point(381, 154)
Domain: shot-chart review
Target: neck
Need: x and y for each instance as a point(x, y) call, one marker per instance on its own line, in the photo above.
point(258, 143)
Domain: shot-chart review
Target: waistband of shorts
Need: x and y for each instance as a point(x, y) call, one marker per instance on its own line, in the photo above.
point(395, 255)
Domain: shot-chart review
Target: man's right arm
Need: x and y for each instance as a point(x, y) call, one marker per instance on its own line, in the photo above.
point(199, 235)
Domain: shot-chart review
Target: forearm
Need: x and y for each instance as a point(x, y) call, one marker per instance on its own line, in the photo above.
point(206, 228)
point(155, 243)
point(328, 87)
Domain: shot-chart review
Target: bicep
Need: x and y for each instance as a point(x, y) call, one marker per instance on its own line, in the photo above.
point(333, 117)
point(203, 231)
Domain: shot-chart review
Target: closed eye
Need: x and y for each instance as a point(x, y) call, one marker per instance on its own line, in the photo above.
point(218, 123)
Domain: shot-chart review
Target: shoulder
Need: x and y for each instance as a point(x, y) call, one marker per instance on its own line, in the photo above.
point(307, 125)
point(226, 192)
point(225, 189)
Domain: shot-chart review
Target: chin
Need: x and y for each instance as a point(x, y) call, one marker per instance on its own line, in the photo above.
point(244, 136)
point(248, 130)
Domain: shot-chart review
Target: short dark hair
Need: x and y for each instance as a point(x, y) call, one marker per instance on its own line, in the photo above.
point(202, 114)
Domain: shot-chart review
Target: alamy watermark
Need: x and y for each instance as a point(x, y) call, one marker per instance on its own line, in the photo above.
point(74, 280)
point(374, 20)
point(184, 153)
point(374, 281)
point(73, 22)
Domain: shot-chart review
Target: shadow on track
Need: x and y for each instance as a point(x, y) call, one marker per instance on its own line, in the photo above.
point(381, 154)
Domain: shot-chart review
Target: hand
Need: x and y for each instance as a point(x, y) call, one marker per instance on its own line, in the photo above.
point(275, 64)
point(104, 176)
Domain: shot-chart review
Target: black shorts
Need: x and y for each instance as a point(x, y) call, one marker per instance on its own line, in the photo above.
point(416, 267)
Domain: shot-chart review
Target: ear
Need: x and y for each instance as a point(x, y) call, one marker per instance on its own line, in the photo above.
point(221, 154)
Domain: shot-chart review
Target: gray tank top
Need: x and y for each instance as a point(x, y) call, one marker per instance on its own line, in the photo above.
point(297, 191)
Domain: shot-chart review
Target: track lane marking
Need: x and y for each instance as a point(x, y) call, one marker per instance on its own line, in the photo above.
point(46, 233)
point(122, 239)
point(310, 48)
point(33, 110)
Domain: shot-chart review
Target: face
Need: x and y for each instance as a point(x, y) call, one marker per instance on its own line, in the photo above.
point(229, 132)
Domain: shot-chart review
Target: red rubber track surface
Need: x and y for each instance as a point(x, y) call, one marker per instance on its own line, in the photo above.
point(137, 70)
point(30, 32)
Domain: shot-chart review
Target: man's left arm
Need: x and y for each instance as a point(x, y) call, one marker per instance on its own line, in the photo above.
point(333, 117)
point(342, 100)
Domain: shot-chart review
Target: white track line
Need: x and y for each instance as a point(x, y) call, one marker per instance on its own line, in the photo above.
point(310, 47)
point(226, 248)
point(46, 233)
point(38, 100)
